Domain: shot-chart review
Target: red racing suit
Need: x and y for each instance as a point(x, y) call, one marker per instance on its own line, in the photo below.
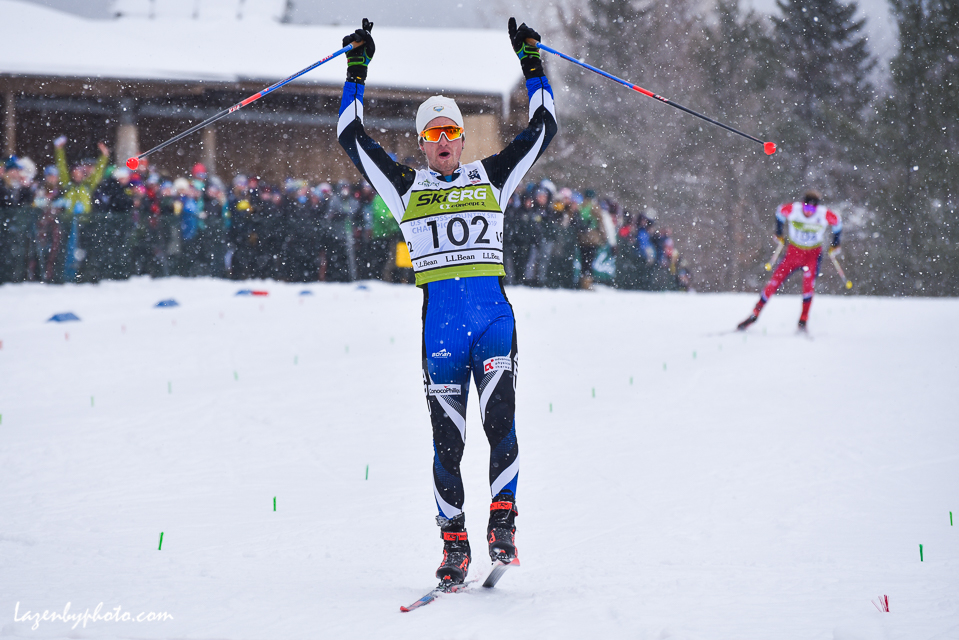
point(804, 229)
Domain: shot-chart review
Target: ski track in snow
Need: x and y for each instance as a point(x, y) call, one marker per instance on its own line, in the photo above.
point(766, 487)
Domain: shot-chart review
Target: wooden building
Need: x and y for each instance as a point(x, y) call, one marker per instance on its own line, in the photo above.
point(134, 82)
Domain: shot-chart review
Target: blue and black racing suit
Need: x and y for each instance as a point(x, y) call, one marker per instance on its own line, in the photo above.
point(453, 227)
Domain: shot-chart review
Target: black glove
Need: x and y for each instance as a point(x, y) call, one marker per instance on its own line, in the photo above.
point(528, 54)
point(358, 58)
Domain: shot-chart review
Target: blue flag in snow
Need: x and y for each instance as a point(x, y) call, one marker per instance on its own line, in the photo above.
point(63, 317)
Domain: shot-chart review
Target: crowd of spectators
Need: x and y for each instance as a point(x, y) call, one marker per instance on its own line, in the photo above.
point(95, 221)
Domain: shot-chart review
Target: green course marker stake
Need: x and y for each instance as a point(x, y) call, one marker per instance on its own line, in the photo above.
point(169, 387)
point(950, 518)
point(91, 401)
point(551, 407)
point(1, 418)
point(694, 355)
point(296, 359)
point(920, 553)
point(347, 348)
point(664, 366)
point(630, 379)
point(274, 503)
point(161, 542)
point(391, 339)
point(594, 392)
point(367, 472)
point(236, 376)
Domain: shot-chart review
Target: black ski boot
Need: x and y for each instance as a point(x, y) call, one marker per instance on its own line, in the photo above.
point(748, 321)
point(501, 531)
point(801, 327)
point(456, 550)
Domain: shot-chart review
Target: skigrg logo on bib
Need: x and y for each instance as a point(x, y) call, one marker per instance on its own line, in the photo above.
point(805, 227)
point(456, 199)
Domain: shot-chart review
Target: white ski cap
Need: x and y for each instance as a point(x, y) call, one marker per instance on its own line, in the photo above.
point(435, 107)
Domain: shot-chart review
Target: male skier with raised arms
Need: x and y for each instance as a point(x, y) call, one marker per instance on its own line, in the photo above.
point(451, 216)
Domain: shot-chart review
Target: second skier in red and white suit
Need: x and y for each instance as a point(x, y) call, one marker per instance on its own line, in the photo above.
point(803, 226)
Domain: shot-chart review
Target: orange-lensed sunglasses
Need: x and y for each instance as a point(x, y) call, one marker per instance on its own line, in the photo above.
point(452, 132)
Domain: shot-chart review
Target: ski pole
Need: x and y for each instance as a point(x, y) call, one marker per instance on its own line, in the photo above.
point(842, 275)
point(768, 147)
point(134, 163)
point(772, 260)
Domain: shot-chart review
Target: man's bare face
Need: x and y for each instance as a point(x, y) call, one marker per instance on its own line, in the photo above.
point(443, 156)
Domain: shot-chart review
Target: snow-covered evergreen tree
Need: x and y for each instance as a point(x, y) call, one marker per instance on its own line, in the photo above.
point(826, 88)
point(734, 65)
point(921, 138)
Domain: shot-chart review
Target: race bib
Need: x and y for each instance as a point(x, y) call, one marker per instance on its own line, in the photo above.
point(805, 234)
point(454, 232)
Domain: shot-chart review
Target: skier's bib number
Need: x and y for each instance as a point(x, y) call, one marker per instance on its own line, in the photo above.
point(458, 231)
point(806, 234)
point(444, 241)
point(455, 231)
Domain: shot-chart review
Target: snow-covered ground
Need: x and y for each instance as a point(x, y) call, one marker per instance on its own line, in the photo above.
point(677, 482)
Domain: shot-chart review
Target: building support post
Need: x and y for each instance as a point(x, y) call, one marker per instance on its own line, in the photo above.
point(482, 135)
point(208, 150)
point(128, 136)
point(9, 123)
